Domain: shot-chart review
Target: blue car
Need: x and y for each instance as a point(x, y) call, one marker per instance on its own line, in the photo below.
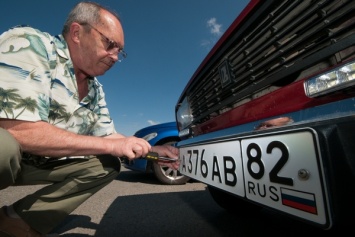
point(165, 133)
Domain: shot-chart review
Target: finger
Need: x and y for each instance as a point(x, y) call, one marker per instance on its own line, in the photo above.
point(172, 164)
point(138, 151)
point(145, 146)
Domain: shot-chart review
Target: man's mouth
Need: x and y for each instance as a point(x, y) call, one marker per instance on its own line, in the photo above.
point(109, 63)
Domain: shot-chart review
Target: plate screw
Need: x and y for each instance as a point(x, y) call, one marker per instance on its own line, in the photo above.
point(303, 174)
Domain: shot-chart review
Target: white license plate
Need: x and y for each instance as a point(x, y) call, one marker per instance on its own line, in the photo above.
point(279, 170)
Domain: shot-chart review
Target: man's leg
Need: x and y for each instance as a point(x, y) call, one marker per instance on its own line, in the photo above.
point(72, 182)
point(10, 159)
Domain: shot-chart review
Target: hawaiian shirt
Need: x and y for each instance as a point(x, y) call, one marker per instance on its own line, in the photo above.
point(37, 82)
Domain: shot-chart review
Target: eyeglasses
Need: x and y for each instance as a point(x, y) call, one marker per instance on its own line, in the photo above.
point(112, 46)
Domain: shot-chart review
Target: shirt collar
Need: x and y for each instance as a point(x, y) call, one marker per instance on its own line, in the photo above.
point(61, 47)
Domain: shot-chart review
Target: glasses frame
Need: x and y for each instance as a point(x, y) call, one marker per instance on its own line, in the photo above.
point(111, 44)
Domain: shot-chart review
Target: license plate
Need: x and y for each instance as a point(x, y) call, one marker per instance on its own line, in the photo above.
point(279, 170)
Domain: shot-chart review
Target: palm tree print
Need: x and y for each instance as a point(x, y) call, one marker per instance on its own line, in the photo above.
point(7, 107)
point(9, 94)
point(11, 101)
point(64, 117)
point(26, 104)
point(58, 112)
point(8, 101)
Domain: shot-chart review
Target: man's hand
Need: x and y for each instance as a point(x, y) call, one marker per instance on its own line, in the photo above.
point(130, 147)
point(274, 123)
point(168, 151)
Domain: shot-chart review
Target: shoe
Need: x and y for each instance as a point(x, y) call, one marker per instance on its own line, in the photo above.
point(15, 227)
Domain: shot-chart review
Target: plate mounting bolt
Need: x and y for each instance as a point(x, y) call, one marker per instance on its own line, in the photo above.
point(303, 174)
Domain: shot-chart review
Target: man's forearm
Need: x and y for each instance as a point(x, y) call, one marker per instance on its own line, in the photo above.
point(41, 138)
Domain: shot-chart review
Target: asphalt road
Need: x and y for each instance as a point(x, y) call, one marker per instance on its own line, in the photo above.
point(137, 205)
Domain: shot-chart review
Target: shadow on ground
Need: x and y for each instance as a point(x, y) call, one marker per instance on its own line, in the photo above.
point(186, 214)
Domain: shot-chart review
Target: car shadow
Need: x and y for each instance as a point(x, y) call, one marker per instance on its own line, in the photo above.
point(184, 214)
point(131, 176)
point(187, 213)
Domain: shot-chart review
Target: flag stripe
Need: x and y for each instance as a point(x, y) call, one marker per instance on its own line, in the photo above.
point(310, 209)
point(299, 200)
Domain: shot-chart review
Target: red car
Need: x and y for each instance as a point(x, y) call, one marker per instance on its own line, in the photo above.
point(268, 118)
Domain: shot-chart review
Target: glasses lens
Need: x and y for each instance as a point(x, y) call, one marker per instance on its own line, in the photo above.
point(122, 54)
point(111, 46)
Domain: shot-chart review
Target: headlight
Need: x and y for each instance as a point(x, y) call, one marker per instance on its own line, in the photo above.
point(184, 116)
point(331, 81)
point(150, 136)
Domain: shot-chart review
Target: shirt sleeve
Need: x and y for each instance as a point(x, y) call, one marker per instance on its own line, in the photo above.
point(25, 74)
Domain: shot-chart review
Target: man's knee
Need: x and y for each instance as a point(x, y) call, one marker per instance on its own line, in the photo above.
point(10, 158)
point(109, 161)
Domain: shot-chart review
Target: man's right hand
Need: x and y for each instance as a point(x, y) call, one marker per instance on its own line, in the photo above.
point(130, 147)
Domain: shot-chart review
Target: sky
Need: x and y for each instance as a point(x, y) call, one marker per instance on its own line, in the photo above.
point(165, 40)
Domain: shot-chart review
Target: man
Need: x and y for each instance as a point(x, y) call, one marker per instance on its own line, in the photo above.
point(55, 127)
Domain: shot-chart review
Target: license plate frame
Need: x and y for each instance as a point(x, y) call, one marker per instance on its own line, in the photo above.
point(282, 170)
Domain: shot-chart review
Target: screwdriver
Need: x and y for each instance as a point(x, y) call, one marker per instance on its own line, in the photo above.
point(154, 156)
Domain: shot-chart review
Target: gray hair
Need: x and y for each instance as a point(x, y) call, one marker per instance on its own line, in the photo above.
point(83, 13)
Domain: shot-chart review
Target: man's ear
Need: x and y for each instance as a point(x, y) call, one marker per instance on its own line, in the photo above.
point(75, 30)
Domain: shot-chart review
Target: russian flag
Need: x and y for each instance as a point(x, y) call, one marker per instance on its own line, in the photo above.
point(299, 200)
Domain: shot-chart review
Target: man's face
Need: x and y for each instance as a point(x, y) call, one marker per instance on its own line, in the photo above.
point(100, 47)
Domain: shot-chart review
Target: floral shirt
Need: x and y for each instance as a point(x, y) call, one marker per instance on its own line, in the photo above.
point(37, 82)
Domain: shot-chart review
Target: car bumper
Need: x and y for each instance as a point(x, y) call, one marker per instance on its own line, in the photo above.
point(335, 139)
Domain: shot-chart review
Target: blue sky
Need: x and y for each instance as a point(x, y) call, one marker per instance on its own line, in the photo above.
point(166, 41)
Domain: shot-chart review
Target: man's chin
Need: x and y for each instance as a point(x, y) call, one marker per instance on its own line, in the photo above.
point(106, 67)
point(102, 71)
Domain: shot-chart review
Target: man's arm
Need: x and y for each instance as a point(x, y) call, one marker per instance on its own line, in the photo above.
point(41, 138)
point(115, 135)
